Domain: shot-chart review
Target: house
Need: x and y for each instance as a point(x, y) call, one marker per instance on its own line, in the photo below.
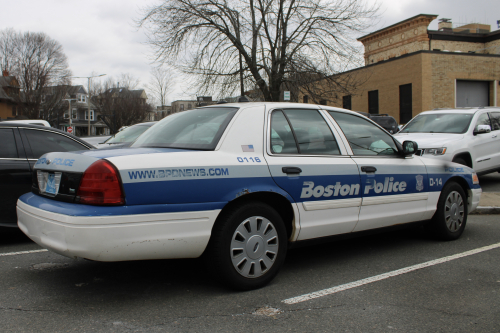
point(409, 69)
point(9, 90)
point(183, 105)
point(68, 106)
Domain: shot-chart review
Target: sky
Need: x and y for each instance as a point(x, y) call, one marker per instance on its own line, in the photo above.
point(101, 36)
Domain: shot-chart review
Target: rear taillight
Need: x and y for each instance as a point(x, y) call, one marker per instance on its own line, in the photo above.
point(101, 185)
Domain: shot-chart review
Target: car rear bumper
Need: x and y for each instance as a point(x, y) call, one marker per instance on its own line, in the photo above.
point(119, 237)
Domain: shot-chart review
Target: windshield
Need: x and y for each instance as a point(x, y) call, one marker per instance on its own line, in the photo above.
point(129, 134)
point(193, 129)
point(439, 123)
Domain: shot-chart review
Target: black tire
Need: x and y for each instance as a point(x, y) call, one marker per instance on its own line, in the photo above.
point(262, 234)
point(460, 160)
point(448, 223)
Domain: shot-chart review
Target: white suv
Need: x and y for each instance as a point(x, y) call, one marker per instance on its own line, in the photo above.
point(468, 136)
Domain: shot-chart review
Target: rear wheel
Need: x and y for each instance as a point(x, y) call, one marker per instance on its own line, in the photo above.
point(448, 223)
point(248, 246)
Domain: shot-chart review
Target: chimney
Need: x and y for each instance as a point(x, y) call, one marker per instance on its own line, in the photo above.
point(445, 24)
point(5, 73)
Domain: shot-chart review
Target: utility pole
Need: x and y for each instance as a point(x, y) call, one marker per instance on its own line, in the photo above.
point(88, 99)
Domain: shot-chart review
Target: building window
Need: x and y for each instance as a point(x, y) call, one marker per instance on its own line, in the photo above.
point(66, 115)
point(91, 115)
point(181, 107)
point(43, 99)
point(373, 102)
point(405, 103)
point(323, 102)
point(82, 98)
point(305, 99)
point(75, 114)
point(190, 106)
point(14, 111)
point(346, 102)
point(40, 114)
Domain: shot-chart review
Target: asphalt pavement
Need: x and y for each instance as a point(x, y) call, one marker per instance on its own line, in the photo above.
point(396, 281)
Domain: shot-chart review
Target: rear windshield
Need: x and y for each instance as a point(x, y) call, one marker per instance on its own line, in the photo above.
point(198, 129)
point(439, 123)
point(385, 121)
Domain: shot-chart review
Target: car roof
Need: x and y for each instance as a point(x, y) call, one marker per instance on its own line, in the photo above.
point(149, 123)
point(45, 128)
point(461, 110)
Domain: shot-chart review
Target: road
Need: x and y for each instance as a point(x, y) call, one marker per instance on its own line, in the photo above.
point(490, 182)
point(45, 292)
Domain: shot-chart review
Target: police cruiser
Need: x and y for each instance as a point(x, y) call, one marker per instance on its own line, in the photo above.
point(239, 184)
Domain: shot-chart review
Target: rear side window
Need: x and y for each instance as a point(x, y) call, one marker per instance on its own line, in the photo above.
point(42, 142)
point(8, 147)
point(295, 131)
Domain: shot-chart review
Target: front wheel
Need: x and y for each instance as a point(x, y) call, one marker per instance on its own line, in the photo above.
point(448, 223)
point(248, 246)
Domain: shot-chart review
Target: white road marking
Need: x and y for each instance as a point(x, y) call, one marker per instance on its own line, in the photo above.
point(21, 252)
point(387, 275)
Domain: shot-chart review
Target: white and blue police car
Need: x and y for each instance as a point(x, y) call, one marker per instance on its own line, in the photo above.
point(239, 184)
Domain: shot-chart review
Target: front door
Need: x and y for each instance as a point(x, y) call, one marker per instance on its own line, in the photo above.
point(394, 188)
point(309, 163)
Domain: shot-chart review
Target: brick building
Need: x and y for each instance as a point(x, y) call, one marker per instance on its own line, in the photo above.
point(409, 69)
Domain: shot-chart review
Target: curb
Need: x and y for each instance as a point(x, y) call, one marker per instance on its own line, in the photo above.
point(483, 210)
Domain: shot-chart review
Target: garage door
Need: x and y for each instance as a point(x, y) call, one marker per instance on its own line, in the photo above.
point(472, 93)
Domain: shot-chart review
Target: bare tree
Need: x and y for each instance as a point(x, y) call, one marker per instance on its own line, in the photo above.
point(161, 84)
point(281, 42)
point(37, 61)
point(119, 105)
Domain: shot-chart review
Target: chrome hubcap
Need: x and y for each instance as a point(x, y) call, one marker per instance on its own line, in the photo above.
point(454, 211)
point(254, 247)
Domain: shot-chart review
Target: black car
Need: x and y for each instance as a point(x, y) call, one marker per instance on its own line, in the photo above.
point(20, 147)
point(383, 120)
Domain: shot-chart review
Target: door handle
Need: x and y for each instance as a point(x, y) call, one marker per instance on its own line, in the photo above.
point(368, 169)
point(494, 136)
point(291, 170)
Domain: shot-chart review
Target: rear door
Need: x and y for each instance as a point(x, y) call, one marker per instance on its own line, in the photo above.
point(308, 161)
point(15, 176)
point(495, 135)
point(394, 188)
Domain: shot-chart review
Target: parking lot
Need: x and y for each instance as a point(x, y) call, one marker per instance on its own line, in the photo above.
point(43, 292)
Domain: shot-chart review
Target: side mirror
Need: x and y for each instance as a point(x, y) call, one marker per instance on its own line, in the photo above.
point(481, 129)
point(409, 148)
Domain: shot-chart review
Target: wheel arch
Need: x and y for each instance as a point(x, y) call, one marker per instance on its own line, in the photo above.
point(277, 201)
point(465, 186)
point(466, 156)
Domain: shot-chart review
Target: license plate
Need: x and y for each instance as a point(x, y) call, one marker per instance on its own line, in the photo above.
point(48, 182)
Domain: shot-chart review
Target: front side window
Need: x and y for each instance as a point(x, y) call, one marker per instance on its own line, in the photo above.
point(364, 138)
point(483, 120)
point(439, 123)
point(198, 129)
point(295, 131)
point(42, 142)
point(8, 147)
point(495, 121)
